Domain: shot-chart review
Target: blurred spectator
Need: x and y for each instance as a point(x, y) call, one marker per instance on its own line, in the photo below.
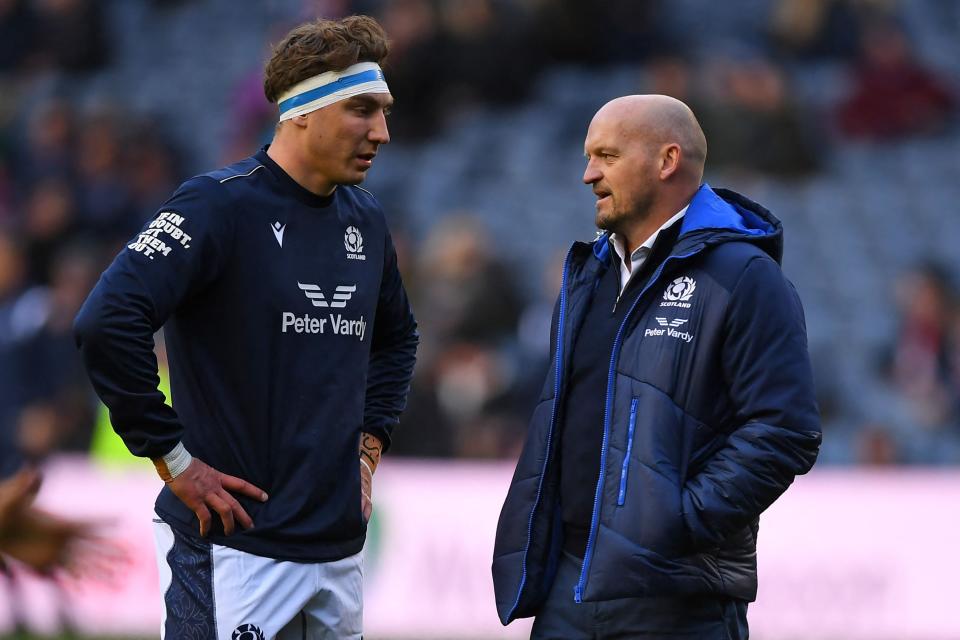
point(330, 9)
point(566, 31)
point(753, 123)
point(893, 93)
point(425, 431)
point(252, 119)
point(745, 107)
point(72, 34)
point(876, 446)
point(920, 367)
point(58, 408)
point(414, 69)
point(815, 29)
point(104, 199)
point(485, 54)
point(17, 34)
point(617, 31)
point(6, 194)
point(165, 5)
point(494, 434)
point(14, 312)
point(152, 171)
point(49, 223)
point(468, 309)
point(47, 151)
point(469, 379)
point(671, 74)
point(535, 322)
point(633, 30)
point(465, 293)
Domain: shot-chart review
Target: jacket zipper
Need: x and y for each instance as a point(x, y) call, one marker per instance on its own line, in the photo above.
point(553, 417)
point(594, 521)
point(626, 457)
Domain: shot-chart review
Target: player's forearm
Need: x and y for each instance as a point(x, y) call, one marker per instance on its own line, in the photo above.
point(393, 354)
point(388, 385)
point(371, 448)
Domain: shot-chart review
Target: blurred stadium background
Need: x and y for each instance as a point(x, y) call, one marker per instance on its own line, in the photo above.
point(838, 115)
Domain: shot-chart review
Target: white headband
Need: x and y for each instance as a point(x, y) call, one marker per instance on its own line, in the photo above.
point(331, 86)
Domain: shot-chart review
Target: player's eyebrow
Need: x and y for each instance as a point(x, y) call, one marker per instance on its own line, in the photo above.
point(600, 151)
point(367, 100)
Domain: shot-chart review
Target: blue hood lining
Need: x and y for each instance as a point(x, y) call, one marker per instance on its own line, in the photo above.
point(601, 250)
point(707, 210)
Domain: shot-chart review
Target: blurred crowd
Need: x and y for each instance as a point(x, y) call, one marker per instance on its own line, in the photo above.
point(79, 177)
point(921, 370)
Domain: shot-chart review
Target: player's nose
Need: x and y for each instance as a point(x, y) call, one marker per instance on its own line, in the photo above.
point(379, 133)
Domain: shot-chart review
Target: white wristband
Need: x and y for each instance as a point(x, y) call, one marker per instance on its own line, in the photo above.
point(177, 460)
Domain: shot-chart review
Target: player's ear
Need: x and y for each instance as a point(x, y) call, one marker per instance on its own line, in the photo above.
point(299, 121)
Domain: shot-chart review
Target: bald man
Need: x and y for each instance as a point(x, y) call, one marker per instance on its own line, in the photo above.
point(678, 406)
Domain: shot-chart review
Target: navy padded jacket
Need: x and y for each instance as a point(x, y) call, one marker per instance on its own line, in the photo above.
point(709, 416)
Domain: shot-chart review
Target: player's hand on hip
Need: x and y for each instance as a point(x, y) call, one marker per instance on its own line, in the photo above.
point(202, 488)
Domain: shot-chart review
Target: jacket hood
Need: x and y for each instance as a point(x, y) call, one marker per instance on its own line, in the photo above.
point(720, 215)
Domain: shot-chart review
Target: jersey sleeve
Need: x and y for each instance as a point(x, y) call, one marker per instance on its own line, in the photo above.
point(176, 255)
point(393, 352)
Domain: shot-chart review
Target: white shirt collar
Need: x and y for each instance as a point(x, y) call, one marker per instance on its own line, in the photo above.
point(639, 255)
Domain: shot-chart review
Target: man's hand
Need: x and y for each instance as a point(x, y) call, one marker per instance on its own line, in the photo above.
point(202, 487)
point(370, 449)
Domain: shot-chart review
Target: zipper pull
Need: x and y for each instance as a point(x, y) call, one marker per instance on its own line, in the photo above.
point(577, 594)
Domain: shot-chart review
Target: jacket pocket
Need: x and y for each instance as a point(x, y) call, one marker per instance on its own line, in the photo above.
point(621, 495)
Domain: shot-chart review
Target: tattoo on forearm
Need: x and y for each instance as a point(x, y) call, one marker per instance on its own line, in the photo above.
point(370, 448)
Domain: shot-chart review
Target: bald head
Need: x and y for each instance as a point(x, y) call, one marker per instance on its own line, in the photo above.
point(645, 157)
point(659, 120)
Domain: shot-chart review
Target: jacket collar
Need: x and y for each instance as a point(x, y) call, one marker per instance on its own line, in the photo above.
point(714, 217)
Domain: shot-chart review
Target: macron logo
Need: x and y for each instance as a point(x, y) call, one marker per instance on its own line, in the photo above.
point(277, 229)
point(340, 297)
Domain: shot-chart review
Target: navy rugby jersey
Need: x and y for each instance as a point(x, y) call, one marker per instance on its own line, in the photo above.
point(288, 331)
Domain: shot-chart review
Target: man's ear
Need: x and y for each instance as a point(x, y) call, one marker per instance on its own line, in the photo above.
point(669, 160)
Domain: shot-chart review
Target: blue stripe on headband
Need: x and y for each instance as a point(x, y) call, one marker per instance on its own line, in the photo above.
point(320, 92)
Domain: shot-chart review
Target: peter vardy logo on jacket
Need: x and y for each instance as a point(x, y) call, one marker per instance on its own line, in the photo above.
point(353, 242)
point(336, 323)
point(679, 292)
